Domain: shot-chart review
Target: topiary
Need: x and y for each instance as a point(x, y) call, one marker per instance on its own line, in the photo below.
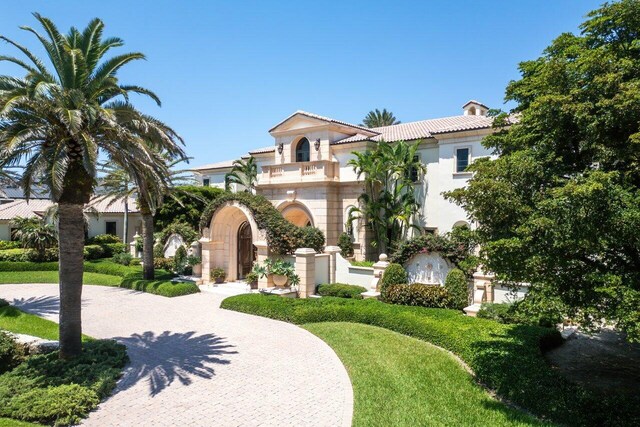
point(346, 245)
point(395, 274)
point(457, 285)
point(180, 260)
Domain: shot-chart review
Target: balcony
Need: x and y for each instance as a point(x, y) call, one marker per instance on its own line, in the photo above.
point(299, 172)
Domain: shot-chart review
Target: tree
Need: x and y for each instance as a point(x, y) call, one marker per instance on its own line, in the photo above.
point(244, 173)
point(57, 121)
point(388, 204)
point(186, 206)
point(377, 118)
point(118, 185)
point(560, 207)
point(35, 233)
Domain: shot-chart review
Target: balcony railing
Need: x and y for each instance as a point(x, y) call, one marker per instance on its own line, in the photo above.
point(316, 171)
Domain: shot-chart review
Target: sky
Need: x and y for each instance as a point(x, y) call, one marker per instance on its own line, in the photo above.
point(227, 71)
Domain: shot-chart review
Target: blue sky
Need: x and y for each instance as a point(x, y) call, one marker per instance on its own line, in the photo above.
point(228, 71)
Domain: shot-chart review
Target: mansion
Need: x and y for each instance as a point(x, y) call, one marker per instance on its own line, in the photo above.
point(305, 171)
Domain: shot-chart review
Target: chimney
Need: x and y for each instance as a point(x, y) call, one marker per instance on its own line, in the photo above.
point(475, 108)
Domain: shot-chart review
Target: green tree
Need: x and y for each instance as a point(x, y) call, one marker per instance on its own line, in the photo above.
point(186, 206)
point(34, 233)
point(377, 118)
point(57, 121)
point(118, 185)
point(560, 207)
point(244, 173)
point(388, 204)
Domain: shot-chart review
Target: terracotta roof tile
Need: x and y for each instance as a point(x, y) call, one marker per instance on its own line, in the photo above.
point(325, 119)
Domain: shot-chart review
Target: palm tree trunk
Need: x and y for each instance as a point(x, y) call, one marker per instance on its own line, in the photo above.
point(125, 233)
point(71, 231)
point(148, 272)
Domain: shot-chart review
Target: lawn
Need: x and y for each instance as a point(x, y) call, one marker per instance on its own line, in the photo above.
point(19, 322)
point(17, 277)
point(506, 358)
point(8, 422)
point(402, 381)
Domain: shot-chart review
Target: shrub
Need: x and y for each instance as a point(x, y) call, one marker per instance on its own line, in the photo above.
point(340, 290)
point(346, 245)
point(11, 353)
point(162, 285)
point(135, 261)
point(185, 205)
point(393, 275)
point(14, 255)
point(163, 263)
point(506, 358)
point(3, 303)
point(110, 249)
point(417, 294)
point(48, 390)
point(457, 286)
point(26, 255)
point(180, 260)
point(93, 252)
point(104, 238)
point(282, 236)
point(122, 258)
point(28, 266)
point(186, 231)
point(218, 273)
point(8, 244)
point(158, 251)
point(500, 312)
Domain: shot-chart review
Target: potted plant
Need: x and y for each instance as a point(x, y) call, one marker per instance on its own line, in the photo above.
point(281, 271)
point(252, 280)
point(218, 274)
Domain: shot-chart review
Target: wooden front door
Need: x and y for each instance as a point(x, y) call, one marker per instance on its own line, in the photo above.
point(245, 250)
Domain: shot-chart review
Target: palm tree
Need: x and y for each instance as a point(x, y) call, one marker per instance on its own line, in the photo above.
point(118, 185)
point(34, 233)
point(57, 121)
point(388, 204)
point(244, 173)
point(377, 118)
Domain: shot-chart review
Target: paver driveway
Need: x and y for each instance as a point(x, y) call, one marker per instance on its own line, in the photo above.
point(193, 364)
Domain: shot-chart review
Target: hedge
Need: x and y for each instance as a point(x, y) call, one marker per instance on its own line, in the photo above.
point(506, 358)
point(9, 244)
point(418, 294)
point(282, 236)
point(48, 390)
point(340, 290)
point(131, 276)
point(90, 251)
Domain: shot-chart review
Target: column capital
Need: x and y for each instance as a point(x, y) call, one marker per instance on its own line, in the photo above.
point(304, 252)
point(332, 250)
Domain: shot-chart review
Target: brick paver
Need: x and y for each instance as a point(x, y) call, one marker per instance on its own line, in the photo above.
point(193, 364)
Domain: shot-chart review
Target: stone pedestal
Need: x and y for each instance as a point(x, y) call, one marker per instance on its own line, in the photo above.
point(194, 250)
point(262, 254)
point(378, 270)
point(205, 272)
point(332, 251)
point(306, 271)
point(132, 246)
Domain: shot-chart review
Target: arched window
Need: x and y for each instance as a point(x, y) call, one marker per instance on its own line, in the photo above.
point(303, 151)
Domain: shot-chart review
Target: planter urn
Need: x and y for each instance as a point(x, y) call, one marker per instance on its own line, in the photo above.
point(279, 280)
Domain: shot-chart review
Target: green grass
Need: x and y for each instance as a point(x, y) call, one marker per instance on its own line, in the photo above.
point(19, 322)
point(402, 381)
point(8, 422)
point(18, 277)
point(103, 272)
point(506, 358)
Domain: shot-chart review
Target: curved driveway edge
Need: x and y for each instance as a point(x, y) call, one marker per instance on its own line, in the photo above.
point(197, 365)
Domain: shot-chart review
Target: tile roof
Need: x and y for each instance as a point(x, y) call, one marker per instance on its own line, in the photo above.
point(263, 150)
point(36, 207)
point(323, 118)
point(473, 101)
point(422, 129)
point(218, 165)
point(18, 193)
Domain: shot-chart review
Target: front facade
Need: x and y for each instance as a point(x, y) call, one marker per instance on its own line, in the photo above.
point(305, 171)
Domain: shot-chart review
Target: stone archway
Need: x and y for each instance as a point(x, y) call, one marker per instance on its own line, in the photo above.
point(231, 225)
point(297, 214)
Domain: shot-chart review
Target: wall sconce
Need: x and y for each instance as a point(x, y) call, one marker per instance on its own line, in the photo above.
point(317, 144)
point(280, 148)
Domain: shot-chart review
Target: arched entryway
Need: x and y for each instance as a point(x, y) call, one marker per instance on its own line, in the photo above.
point(297, 214)
point(245, 250)
point(232, 234)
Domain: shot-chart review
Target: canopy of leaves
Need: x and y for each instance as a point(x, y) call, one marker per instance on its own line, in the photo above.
point(244, 173)
point(185, 206)
point(560, 207)
point(377, 118)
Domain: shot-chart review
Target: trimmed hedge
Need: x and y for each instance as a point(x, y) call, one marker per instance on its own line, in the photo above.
point(418, 294)
point(162, 285)
point(104, 239)
point(9, 244)
point(395, 274)
point(21, 254)
point(457, 286)
point(48, 390)
point(282, 236)
point(506, 358)
point(340, 290)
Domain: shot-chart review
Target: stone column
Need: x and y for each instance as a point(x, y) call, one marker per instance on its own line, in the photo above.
point(205, 274)
point(262, 255)
point(132, 246)
point(195, 251)
point(332, 251)
point(306, 270)
point(378, 270)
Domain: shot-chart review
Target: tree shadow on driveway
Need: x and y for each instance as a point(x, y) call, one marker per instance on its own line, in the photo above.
point(40, 306)
point(167, 357)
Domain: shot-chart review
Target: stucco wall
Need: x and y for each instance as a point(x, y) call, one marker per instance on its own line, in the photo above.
point(351, 275)
point(5, 230)
point(98, 224)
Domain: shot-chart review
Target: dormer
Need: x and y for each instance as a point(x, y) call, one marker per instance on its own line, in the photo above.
point(475, 108)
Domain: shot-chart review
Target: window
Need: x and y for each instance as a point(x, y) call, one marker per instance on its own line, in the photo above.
point(413, 174)
point(463, 156)
point(303, 150)
point(205, 182)
point(110, 227)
